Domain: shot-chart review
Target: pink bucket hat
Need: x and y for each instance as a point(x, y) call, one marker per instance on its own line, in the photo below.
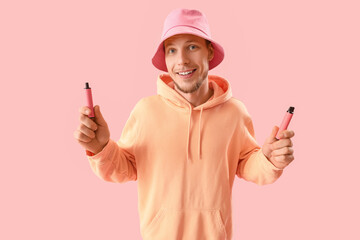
point(186, 21)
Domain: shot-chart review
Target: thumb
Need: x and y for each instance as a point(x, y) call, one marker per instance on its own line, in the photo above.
point(267, 147)
point(99, 119)
point(272, 136)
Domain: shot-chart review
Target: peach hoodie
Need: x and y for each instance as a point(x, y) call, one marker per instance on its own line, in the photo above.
point(185, 160)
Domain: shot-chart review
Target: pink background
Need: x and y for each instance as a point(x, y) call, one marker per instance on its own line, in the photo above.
point(277, 53)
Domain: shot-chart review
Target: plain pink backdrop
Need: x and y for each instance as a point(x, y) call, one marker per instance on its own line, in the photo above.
point(277, 53)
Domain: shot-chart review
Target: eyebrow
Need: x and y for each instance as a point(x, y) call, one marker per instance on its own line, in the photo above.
point(170, 44)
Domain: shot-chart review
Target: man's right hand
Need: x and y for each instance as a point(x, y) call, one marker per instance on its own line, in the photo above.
point(92, 134)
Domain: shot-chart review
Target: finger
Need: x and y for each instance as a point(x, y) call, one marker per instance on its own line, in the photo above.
point(283, 158)
point(282, 151)
point(80, 137)
point(85, 110)
point(86, 131)
point(287, 134)
point(88, 122)
point(286, 142)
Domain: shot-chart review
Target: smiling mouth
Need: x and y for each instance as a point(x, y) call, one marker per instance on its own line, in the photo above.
point(186, 73)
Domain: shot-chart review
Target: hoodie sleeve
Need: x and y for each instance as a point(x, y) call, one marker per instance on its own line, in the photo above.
point(253, 165)
point(116, 162)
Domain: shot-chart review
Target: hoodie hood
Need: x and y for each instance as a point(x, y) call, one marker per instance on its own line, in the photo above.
point(222, 93)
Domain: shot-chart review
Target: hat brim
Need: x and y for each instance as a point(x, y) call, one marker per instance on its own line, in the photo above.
point(158, 59)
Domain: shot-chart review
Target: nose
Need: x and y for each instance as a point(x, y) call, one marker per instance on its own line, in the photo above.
point(182, 58)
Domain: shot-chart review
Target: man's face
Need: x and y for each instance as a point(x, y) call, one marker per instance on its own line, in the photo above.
point(186, 53)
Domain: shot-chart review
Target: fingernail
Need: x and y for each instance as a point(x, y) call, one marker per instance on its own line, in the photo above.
point(87, 111)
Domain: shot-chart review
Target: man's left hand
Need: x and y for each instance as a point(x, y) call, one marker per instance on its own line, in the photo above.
point(279, 152)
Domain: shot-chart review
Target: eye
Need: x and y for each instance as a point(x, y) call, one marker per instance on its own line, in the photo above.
point(192, 47)
point(171, 50)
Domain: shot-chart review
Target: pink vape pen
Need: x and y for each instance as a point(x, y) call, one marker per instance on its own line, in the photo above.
point(90, 105)
point(285, 121)
point(89, 100)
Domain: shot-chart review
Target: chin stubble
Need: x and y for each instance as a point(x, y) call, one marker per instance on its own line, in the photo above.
point(196, 87)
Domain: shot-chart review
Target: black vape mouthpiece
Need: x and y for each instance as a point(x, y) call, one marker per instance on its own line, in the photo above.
point(87, 85)
point(291, 109)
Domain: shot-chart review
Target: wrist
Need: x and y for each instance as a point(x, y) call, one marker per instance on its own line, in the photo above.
point(102, 147)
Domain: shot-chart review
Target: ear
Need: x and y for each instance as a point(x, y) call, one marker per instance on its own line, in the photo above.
point(211, 52)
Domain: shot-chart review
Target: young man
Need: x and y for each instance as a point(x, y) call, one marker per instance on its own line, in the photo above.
point(185, 145)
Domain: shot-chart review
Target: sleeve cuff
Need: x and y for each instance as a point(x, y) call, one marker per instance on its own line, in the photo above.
point(104, 152)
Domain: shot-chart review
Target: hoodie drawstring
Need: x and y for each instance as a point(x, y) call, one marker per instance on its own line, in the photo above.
point(188, 137)
point(199, 147)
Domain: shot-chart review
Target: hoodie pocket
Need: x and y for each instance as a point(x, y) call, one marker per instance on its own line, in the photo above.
point(189, 224)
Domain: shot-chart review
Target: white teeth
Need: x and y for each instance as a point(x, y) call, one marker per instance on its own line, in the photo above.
point(185, 73)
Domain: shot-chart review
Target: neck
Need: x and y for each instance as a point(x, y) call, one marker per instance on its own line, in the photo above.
point(200, 96)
